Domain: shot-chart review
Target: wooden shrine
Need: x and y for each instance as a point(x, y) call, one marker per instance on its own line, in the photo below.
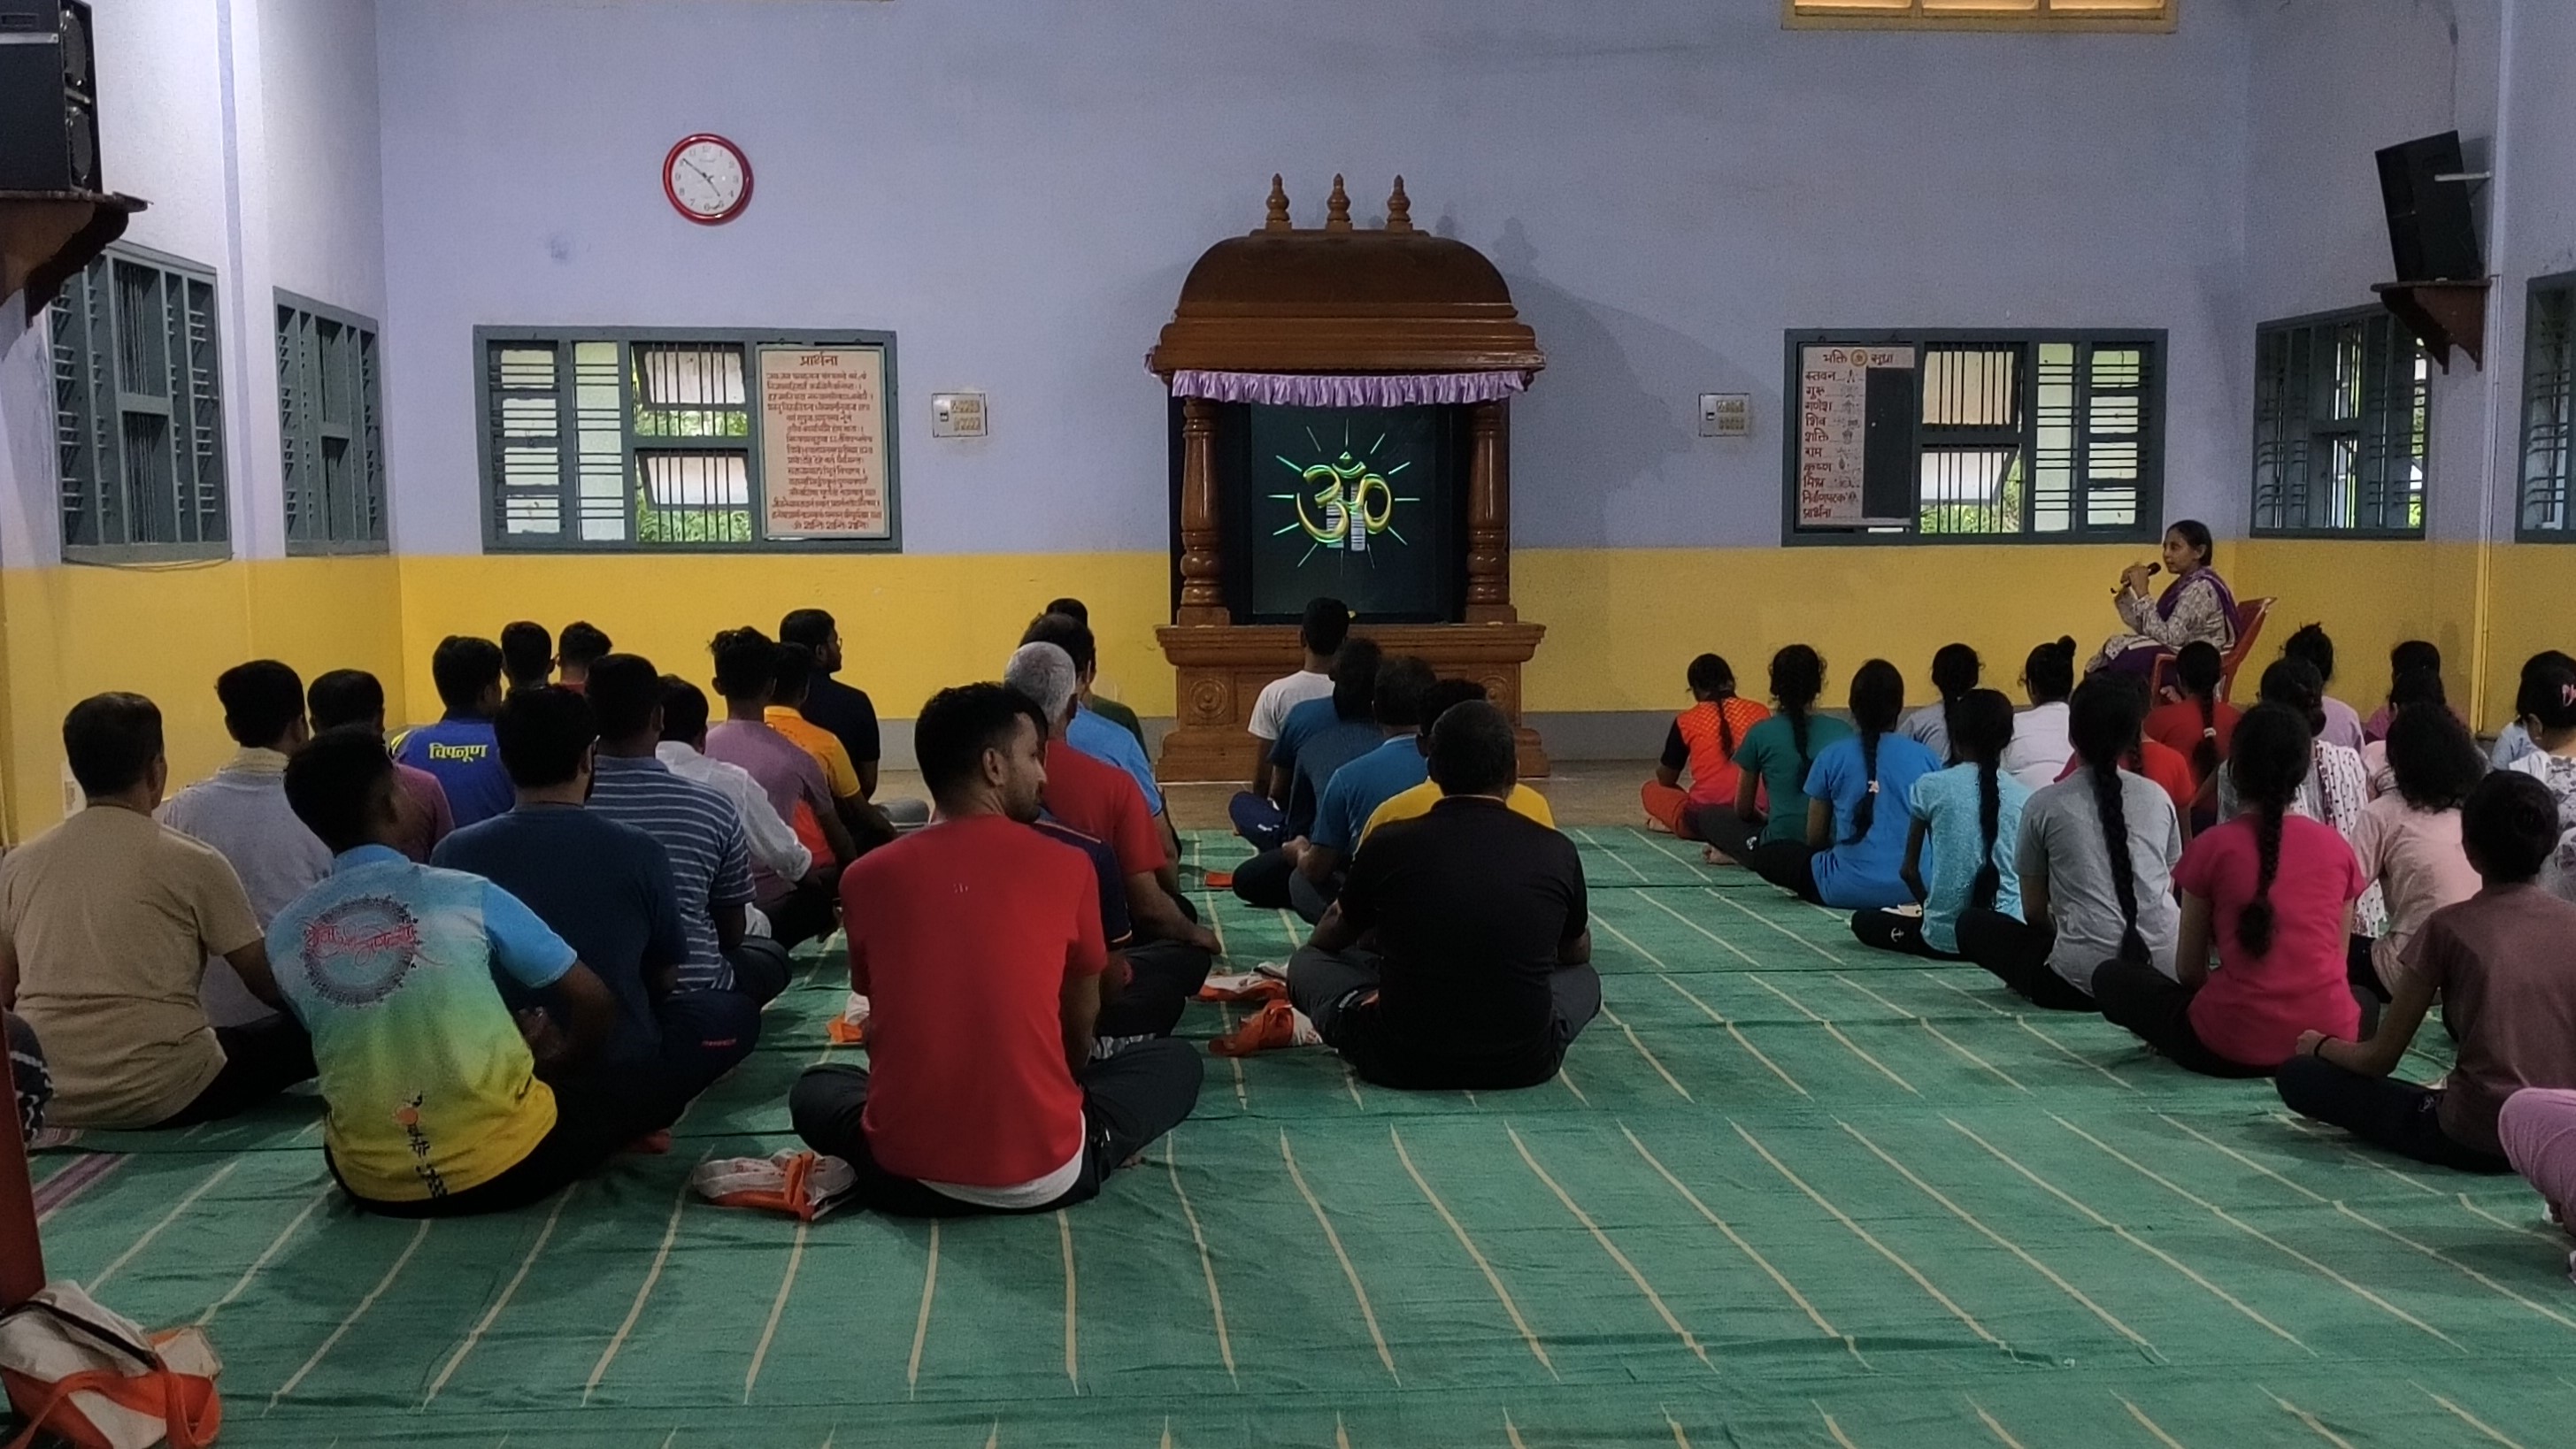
point(1386, 322)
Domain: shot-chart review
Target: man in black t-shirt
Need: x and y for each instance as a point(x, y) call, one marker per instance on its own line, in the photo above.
point(1459, 953)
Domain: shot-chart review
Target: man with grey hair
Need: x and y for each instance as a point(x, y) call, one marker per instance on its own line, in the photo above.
point(1169, 959)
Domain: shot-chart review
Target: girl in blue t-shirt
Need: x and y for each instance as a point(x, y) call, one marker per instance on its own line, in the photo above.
point(1854, 847)
point(1966, 827)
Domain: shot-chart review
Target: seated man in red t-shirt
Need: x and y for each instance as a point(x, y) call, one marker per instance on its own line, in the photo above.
point(977, 942)
point(1169, 959)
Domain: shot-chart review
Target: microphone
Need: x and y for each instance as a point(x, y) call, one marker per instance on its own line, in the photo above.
point(2154, 569)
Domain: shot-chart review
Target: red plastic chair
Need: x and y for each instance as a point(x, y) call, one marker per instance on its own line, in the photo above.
point(2250, 613)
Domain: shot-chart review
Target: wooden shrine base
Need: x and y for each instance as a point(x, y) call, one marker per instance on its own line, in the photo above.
point(1222, 667)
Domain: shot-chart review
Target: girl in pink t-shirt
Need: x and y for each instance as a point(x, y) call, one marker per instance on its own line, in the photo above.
point(2408, 840)
point(2274, 892)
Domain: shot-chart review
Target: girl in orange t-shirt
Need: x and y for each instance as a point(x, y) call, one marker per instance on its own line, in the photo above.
point(1702, 740)
point(2197, 726)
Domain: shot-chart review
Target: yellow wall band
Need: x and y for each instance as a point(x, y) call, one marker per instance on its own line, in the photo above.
point(1622, 624)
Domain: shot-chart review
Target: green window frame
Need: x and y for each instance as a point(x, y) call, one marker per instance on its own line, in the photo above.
point(330, 425)
point(138, 411)
point(2342, 419)
point(2548, 478)
point(631, 440)
point(2022, 436)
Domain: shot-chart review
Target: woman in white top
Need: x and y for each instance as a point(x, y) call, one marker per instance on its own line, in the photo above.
point(2039, 751)
point(2547, 707)
point(1955, 671)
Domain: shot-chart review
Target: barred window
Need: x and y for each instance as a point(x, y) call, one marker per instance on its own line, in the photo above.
point(2341, 407)
point(620, 440)
point(2549, 410)
point(330, 423)
point(2030, 436)
point(138, 411)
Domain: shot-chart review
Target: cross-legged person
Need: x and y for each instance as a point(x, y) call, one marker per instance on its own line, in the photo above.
point(106, 925)
point(581, 645)
point(845, 709)
point(2503, 963)
point(1093, 700)
point(2273, 892)
point(2095, 865)
point(978, 943)
point(798, 908)
point(775, 850)
point(697, 827)
point(343, 697)
point(794, 679)
point(1168, 959)
point(440, 1102)
point(1966, 822)
point(607, 888)
point(1317, 737)
point(241, 811)
point(458, 749)
point(1356, 789)
point(1321, 632)
point(1458, 954)
point(1412, 804)
point(1092, 732)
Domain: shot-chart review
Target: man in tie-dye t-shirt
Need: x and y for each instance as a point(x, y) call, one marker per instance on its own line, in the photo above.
point(439, 1099)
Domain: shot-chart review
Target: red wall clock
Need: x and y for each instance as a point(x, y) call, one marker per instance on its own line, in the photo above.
point(707, 179)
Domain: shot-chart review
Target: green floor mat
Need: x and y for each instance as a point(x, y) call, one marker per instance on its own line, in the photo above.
point(1787, 1191)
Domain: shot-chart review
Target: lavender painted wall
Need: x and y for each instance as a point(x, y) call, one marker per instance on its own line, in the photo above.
point(1018, 189)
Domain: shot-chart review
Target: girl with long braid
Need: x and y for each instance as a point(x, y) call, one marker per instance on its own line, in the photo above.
point(2198, 725)
point(1955, 671)
point(2039, 748)
point(1969, 818)
point(1703, 741)
point(2273, 890)
point(1772, 763)
point(2095, 862)
point(1853, 847)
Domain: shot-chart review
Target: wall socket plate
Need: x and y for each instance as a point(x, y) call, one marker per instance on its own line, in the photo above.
point(957, 415)
point(1726, 414)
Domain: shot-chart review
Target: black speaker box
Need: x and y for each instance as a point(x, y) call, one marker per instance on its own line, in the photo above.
point(2430, 231)
point(48, 97)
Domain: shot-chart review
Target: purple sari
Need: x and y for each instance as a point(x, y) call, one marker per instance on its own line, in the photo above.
point(2141, 656)
point(2226, 600)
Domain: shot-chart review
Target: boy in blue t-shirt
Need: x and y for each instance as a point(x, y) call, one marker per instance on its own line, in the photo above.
point(459, 750)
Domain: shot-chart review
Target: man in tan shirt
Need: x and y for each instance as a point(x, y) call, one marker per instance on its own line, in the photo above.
point(106, 924)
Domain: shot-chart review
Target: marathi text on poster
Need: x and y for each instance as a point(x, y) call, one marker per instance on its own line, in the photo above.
point(1833, 431)
point(822, 443)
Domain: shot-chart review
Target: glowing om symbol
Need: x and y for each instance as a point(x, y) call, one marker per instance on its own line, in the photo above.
point(1344, 490)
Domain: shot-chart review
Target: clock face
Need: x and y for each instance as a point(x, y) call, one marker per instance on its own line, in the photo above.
point(707, 179)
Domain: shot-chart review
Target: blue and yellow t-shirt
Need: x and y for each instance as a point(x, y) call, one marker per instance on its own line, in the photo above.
point(430, 1088)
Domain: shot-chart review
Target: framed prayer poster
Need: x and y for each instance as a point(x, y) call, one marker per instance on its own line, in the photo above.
point(1852, 446)
point(826, 449)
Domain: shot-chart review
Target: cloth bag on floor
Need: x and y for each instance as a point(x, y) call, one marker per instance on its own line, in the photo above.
point(97, 1379)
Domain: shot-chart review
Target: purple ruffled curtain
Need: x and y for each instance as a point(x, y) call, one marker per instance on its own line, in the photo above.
point(1349, 390)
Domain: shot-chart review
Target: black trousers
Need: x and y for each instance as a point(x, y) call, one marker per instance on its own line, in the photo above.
point(596, 1116)
point(1337, 992)
point(1128, 1100)
point(1790, 865)
point(2157, 1009)
point(35, 1085)
point(802, 914)
point(1734, 836)
point(1895, 931)
point(260, 1061)
point(705, 1034)
point(1263, 880)
point(760, 968)
point(2400, 1116)
point(2017, 954)
point(1166, 977)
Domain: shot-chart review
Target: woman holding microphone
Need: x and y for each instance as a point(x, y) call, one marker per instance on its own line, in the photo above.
point(2195, 607)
